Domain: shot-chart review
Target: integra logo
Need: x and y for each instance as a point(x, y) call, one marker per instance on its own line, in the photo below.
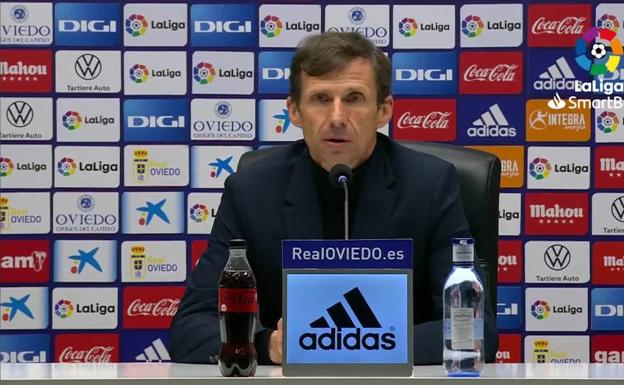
point(335, 339)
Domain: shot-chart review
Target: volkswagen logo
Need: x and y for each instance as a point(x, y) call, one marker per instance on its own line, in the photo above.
point(617, 209)
point(557, 257)
point(88, 66)
point(19, 114)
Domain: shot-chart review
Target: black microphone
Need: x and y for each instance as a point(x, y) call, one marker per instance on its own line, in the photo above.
point(340, 176)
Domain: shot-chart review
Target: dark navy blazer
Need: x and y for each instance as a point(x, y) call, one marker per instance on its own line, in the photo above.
point(404, 194)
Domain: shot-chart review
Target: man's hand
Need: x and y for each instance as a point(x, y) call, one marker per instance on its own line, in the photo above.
point(275, 344)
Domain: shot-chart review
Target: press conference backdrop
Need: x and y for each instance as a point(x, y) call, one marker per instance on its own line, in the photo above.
point(121, 120)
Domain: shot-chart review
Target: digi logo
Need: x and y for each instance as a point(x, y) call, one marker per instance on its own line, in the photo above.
point(224, 25)
point(87, 24)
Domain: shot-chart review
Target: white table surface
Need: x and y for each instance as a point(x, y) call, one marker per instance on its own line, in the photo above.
point(168, 373)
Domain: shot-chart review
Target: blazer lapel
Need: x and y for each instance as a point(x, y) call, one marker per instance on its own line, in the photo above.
point(377, 198)
point(302, 211)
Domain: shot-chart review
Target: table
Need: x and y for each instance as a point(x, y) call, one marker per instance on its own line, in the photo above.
point(186, 374)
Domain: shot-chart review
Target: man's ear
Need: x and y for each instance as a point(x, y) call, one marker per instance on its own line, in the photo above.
point(384, 111)
point(293, 112)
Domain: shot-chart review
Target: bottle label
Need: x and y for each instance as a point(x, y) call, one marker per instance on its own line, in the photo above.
point(463, 253)
point(462, 329)
point(238, 300)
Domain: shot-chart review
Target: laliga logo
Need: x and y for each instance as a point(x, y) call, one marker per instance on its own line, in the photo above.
point(608, 22)
point(607, 122)
point(335, 340)
point(139, 73)
point(408, 27)
point(64, 308)
point(540, 168)
point(72, 120)
point(472, 26)
point(136, 25)
point(204, 73)
point(271, 26)
point(598, 60)
point(540, 309)
point(66, 166)
point(6, 167)
point(199, 213)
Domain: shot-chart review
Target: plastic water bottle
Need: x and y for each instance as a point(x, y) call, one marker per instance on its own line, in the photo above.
point(463, 314)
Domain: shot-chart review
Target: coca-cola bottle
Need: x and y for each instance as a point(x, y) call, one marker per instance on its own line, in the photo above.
point(238, 304)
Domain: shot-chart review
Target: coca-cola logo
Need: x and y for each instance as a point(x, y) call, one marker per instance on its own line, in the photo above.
point(98, 354)
point(498, 73)
point(165, 307)
point(434, 120)
point(570, 25)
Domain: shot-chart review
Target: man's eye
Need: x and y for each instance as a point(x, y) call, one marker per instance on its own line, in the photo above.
point(320, 98)
point(354, 98)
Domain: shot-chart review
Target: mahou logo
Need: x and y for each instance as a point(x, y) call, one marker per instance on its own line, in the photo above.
point(150, 307)
point(607, 349)
point(509, 261)
point(93, 348)
point(490, 72)
point(508, 349)
point(608, 263)
point(609, 167)
point(425, 119)
point(24, 261)
point(556, 214)
point(557, 25)
point(28, 71)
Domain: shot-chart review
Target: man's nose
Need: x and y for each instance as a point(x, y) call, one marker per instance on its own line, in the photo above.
point(338, 117)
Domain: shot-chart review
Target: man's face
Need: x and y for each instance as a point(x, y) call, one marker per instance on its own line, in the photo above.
point(339, 115)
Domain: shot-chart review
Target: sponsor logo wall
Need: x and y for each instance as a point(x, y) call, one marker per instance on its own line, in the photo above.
point(120, 122)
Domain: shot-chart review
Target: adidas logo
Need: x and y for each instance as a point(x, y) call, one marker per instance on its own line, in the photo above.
point(336, 340)
point(156, 352)
point(558, 76)
point(492, 123)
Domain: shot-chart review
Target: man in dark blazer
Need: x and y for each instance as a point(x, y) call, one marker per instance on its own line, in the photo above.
point(340, 96)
